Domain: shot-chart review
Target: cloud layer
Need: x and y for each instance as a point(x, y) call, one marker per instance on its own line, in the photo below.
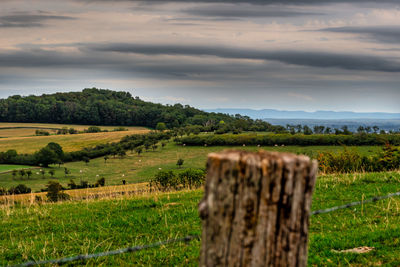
point(286, 54)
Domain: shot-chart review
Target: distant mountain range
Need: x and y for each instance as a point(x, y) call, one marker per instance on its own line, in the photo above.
point(320, 115)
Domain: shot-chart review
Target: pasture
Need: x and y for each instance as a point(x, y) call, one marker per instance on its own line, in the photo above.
point(135, 169)
point(9, 168)
point(38, 232)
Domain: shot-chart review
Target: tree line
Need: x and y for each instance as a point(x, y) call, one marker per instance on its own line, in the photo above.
point(95, 106)
point(254, 139)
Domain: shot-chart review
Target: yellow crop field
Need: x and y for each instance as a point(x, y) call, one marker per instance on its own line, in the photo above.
point(87, 193)
point(57, 126)
point(69, 142)
point(20, 132)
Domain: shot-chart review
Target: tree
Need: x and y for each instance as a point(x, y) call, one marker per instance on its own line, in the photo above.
point(161, 126)
point(52, 172)
point(360, 129)
point(19, 189)
point(147, 145)
point(121, 153)
point(66, 172)
point(180, 162)
point(46, 156)
point(22, 173)
point(307, 130)
point(139, 150)
point(54, 192)
point(101, 182)
point(345, 130)
point(376, 128)
point(57, 149)
point(29, 173)
point(86, 160)
point(328, 130)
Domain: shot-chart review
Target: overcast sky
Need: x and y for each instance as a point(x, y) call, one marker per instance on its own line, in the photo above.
point(287, 54)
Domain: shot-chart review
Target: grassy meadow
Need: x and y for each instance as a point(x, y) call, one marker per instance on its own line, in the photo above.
point(118, 216)
point(9, 168)
point(135, 169)
point(39, 232)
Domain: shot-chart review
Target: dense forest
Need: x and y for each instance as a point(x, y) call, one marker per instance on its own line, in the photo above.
point(106, 107)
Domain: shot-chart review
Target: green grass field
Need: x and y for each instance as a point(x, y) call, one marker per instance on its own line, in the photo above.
point(133, 168)
point(8, 168)
point(39, 232)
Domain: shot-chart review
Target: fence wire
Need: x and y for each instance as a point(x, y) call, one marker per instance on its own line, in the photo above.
point(185, 239)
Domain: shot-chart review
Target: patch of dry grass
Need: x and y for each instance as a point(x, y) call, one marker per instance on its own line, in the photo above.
point(58, 126)
point(105, 192)
point(68, 142)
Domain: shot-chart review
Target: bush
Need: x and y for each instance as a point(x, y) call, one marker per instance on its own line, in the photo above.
point(100, 182)
point(42, 132)
point(19, 189)
point(164, 180)
point(93, 129)
point(3, 191)
point(168, 180)
point(54, 192)
point(192, 178)
point(351, 161)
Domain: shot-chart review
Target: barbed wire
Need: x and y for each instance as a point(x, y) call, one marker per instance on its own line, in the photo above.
point(356, 203)
point(185, 239)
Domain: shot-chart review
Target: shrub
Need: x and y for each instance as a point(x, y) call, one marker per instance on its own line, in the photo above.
point(55, 193)
point(192, 178)
point(179, 163)
point(3, 191)
point(42, 132)
point(164, 180)
point(93, 129)
point(19, 189)
point(100, 182)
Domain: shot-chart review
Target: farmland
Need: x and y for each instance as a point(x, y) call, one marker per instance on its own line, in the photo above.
point(117, 216)
point(100, 225)
point(18, 137)
point(8, 168)
point(134, 168)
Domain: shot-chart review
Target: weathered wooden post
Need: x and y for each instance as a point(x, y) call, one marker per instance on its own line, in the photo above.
point(256, 209)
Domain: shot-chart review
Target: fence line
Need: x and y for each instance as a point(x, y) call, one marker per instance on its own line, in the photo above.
point(108, 253)
point(356, 203)
point(185, 239)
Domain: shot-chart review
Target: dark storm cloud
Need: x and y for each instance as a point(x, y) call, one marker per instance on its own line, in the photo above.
point(28, 20)
point(302, 58)
point(386, 34)
point(245, 11)
point(110, 63)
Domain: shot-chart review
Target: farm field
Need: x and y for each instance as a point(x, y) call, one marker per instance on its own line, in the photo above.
point(92, 226)
point(69, 142)
point(8, 168)
point(134, 169)
point(5, 125)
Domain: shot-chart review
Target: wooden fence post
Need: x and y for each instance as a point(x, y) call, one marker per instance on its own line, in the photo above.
point(256, 208)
